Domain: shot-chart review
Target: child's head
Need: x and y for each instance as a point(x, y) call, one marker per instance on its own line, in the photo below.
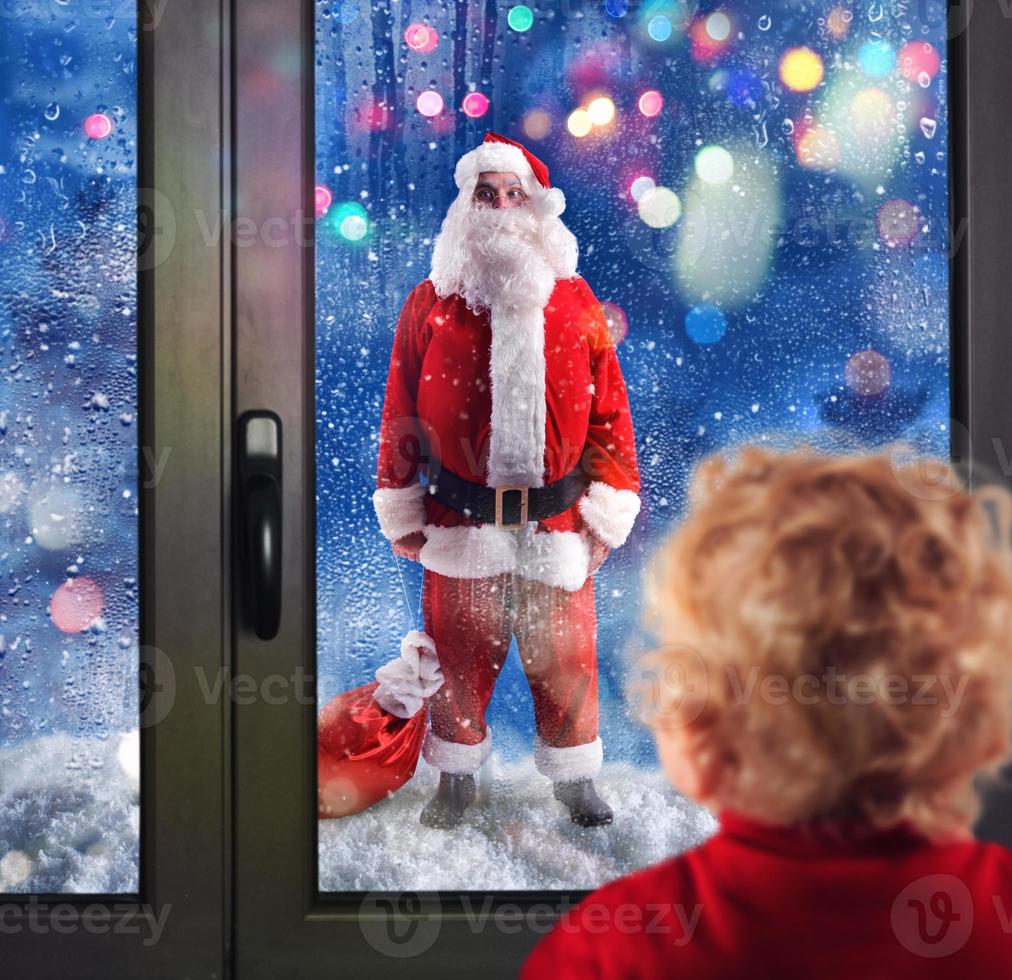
point(836, 640)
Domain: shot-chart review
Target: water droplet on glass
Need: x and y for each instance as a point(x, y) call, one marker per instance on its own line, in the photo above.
point(928, 127)
point(53, 111)
point(787, 126)
point(765, 22)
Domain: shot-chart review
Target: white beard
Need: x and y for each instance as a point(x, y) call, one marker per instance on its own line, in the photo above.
point(502, 258)
point(506, 261)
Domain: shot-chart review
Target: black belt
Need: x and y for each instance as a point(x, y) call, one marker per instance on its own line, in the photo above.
point(509, 506)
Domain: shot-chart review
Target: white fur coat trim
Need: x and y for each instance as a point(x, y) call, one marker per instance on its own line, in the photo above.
point(495, 157)
point(455, 757)
point(400, 510)
point(569, 762)
point(517, 439)
point(558, 558)
point(407, 681)
point(610, 513)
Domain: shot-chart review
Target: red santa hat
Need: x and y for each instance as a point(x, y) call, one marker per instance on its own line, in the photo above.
point(499, 153)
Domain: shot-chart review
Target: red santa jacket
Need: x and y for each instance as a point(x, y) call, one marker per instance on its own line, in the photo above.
point(789, 902)
point(523, 403)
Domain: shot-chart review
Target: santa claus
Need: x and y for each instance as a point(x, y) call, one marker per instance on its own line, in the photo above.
point(505, 394)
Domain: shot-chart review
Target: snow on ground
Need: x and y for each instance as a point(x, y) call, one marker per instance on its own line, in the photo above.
point(69, 822)
point(514, 837)
point(69, 815)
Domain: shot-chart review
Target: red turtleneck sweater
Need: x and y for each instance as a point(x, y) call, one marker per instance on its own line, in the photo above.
point(761, 901)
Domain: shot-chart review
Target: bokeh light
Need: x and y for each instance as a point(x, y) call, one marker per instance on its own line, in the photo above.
point(97, 126)
point(714, 165)
point(537, 124)
point(705, 324)
point(863, 120)
point(728, 232)
point(650, 103)
point(475, 104)
point(579, 123)
point(601, 110)
point(323, 200)
point(76, 604)
point(801, 69)
point(520, 18)
point(348, 220)
point(640, 186)
point(429, 103)
point(711, 36)
point(55, 516)
point(421, 38)
point(919, 62)
point(659, 207)
point(817, 147)
point(898, 222)
point(873, 115)
point(867, 373)
point(354, 228)
point(618, 322)
point(876, 58)
point(838, 23)
point(718, 26)
point(659, 28)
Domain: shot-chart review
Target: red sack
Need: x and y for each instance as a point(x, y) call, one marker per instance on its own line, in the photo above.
point(369, 739)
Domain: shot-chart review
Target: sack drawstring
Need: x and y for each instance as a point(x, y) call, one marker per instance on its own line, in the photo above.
point(417, 622)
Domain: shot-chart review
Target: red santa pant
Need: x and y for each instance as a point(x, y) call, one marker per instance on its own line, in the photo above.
point(472, 621)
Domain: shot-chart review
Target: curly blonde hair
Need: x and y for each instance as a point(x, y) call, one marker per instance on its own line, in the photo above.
point(836, 637)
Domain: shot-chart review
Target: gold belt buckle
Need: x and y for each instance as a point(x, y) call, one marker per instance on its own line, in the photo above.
point(499, 491)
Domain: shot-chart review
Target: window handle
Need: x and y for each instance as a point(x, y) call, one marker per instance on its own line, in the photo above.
point(260, 521)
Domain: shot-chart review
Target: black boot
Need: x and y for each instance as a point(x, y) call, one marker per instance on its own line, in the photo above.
point(452, 798)
point(586, 808)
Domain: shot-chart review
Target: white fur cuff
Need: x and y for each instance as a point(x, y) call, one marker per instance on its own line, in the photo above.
point(406, 682)
point(455, 757)
point(401, 510)
point(609, 513)
point(569, 762)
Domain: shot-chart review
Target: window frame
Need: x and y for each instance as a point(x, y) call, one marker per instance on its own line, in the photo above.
point(283, 923)
point(183, 391)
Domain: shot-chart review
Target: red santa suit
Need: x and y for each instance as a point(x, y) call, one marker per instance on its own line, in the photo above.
point(508, 397)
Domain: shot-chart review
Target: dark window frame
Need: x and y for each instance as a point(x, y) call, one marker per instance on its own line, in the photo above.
point(284, 923)
point(183, 395)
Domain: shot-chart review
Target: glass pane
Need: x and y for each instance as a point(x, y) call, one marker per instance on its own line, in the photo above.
point(69, 748)
point(759, 194)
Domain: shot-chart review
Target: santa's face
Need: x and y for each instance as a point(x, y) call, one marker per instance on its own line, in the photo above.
point(497, 189)
point(502, 246)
